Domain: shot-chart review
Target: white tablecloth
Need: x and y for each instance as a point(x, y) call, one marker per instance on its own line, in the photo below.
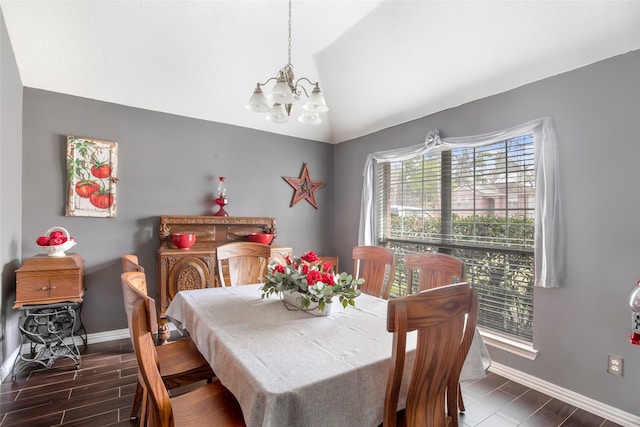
point(290, 368)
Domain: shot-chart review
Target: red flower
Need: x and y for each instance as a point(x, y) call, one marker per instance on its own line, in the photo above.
point(279, 268)
point(305, 268)
point(327, 267)
point(313, 277)
point(310, 257)
point(328, 279)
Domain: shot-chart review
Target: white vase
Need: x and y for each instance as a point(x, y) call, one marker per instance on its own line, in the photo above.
point(291, 302)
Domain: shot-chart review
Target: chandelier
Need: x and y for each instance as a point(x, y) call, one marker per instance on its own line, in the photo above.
point(285, 92)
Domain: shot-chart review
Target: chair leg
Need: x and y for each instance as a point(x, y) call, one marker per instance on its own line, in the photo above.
point(460, 401)
point(144, 412)
point(457, 403)
point(137, 400)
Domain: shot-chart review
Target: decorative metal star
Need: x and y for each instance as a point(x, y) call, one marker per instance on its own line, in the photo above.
point(305, 187)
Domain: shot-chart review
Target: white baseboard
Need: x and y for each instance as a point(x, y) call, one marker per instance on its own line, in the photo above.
point(5, 372)
point(8, 364)
point(117, 334)
point(590, 405)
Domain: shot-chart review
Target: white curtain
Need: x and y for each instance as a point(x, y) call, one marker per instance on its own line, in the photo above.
point(549, 239)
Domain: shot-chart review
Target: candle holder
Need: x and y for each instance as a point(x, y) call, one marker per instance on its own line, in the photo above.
point(221, 201)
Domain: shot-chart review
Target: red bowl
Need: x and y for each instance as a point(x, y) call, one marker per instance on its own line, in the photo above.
point(183, 240)
point(264, 238)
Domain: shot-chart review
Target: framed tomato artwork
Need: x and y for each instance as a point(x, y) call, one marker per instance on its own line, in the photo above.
point(92, 170)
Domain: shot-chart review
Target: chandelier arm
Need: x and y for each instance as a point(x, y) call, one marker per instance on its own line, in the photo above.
point(299, 89)
point(298, 84)
point(267, 81)
point(307, 80)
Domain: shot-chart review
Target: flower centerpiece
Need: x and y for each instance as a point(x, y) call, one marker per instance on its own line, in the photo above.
point(312, 282)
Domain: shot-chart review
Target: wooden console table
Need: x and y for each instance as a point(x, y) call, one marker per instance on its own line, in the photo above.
point(196, 268)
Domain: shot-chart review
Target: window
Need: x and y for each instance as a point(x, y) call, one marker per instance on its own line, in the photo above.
point(475, 203)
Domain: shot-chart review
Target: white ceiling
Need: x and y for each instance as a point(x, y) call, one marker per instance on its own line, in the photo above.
point(379, 63)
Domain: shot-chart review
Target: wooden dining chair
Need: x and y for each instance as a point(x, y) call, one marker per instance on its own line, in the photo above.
point(180, 361)
point(434, 270)
point(212, 404)
point(376, 265)
point(242, 263)
point(130, 263)
point(442, 317)
point(333, 260)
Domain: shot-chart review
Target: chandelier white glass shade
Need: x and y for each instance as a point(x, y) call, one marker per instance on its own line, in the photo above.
point(286, 90)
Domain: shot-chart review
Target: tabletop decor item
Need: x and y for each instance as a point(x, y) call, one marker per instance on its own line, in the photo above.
point(183, 240)
point(56, 241)
point(306, 283)
point(264, 238)
point(221, 201)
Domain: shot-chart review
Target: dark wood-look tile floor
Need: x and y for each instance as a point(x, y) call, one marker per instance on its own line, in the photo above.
point(498, 402)
point(101, 391)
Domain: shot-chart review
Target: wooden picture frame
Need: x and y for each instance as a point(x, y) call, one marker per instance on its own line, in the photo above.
point(92, 170)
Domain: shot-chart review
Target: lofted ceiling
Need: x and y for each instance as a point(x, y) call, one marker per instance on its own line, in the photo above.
point(379, 63)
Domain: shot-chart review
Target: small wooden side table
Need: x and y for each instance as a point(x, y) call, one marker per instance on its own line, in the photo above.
point(49, 295)
point(44, 279)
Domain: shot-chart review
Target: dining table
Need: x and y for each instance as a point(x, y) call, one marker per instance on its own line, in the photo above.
point(293, 368)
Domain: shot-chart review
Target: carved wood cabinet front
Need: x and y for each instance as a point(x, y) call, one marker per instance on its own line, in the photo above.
point(195, 268)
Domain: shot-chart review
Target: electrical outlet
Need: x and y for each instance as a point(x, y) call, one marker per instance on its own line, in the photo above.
point(615, 365)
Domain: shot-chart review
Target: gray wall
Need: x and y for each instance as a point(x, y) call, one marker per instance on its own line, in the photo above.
point(10, 190)
point(596, 110)
point(166, 165)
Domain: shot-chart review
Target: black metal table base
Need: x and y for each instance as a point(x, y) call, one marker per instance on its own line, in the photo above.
point(50, 331)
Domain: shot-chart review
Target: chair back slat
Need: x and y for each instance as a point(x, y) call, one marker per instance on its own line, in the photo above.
point(434, 269)
point(242, 263)
point(130, 263)
point(376, 265)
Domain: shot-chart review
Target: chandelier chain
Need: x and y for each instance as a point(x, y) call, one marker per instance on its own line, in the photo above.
point(289, 32)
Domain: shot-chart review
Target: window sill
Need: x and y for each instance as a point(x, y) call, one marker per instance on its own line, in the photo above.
point(512, 346)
